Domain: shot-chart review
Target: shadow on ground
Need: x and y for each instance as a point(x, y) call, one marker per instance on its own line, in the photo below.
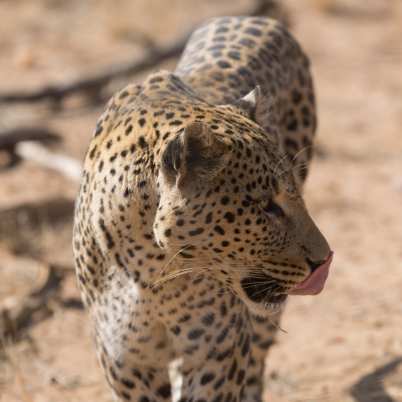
point(371, 386)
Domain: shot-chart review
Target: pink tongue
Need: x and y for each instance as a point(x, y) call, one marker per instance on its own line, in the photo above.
point(314, 284)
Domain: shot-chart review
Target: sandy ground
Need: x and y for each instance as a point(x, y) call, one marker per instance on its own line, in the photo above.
point(344, 345)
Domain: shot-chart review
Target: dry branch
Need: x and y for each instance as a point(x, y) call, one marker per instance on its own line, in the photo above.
point(24, 227)
point(29, 143)
point(10, 138)
point(65, 165)
point(18, 313)
point(93, 85)
point(17, 219)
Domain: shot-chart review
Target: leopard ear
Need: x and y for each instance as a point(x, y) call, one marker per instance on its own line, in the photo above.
point(196, 154)
point(260, 108)
point(251, 102)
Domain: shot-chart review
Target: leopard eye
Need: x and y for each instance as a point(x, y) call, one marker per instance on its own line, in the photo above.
point(272, 208)
point(274, 185)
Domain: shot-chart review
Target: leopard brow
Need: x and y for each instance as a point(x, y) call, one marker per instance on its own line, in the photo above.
point(255, 200)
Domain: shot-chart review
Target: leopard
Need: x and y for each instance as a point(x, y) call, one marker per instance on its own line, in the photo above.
point(190, 227)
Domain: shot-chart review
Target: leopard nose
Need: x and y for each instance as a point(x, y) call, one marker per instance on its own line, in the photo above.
point(315, 264)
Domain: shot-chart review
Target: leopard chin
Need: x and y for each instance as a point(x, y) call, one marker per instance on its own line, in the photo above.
point(265, 309)
point(259, 299)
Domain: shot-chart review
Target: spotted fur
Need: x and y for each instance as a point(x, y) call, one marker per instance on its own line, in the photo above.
point(190, 227)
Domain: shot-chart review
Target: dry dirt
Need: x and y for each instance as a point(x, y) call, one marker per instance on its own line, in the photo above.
point(344, 345)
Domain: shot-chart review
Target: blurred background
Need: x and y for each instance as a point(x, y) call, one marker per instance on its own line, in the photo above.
point(61, 60)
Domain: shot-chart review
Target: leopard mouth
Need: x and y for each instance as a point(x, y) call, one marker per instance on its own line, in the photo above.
point(260, 290)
